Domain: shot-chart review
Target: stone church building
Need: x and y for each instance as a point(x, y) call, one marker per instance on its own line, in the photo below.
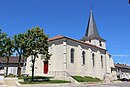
point(85, 57)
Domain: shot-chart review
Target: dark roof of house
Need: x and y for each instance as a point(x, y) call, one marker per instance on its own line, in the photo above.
point(122, 66)
point(61, 37)
point(91, 31)
point(12, 59)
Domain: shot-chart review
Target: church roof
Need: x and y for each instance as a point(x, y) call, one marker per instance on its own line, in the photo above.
point(58, 37)
point(91, 31)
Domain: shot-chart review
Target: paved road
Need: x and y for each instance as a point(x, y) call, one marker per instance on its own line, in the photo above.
point(125, 84)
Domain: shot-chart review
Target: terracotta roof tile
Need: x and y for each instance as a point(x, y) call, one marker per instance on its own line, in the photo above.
point(56, 37)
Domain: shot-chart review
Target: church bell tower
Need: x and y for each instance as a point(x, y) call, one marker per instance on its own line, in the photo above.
point(92, 36)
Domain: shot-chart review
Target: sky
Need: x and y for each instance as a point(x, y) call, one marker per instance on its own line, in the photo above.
point(70, 18)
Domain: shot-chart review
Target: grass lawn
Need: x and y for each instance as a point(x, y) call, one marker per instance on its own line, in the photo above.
point(86, 79)
point(40, 80)
point(45, 82)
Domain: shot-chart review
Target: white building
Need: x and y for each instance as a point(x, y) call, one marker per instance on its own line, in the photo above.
point(123, 71)
point(13, 65)
point(85, 57)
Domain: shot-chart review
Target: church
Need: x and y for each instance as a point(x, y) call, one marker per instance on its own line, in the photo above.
point(69, 57)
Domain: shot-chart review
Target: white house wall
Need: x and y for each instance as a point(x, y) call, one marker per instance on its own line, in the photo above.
point(108, 62)
point(28, 66)
point(73, 68)
point(13, 70)
point(38, 69)
point(57, 58)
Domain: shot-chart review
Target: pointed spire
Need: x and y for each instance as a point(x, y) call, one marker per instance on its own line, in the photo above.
point(91, 31)
point(91, 28)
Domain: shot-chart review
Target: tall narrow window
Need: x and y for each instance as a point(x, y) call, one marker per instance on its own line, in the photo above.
point(101, 61)
point(93, 61)
point(83, 56)
point(72, 55)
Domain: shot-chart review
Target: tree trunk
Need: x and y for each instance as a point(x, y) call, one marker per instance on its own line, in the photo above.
point(7, 65)
point(19, 67)
point(33, 63)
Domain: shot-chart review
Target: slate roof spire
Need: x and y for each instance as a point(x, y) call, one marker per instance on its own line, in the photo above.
point(91, 31)
point(91, 28)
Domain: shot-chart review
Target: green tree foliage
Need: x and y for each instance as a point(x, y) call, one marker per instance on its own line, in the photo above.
point(6, 48)
point(20, 45)
point(37, 44)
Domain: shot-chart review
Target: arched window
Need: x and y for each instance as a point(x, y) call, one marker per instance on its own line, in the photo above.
point(72, 55)
point(101, 61)
point(93, 59)
point(83, 56)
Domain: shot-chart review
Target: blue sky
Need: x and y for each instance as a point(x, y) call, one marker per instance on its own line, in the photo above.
point(70, 18)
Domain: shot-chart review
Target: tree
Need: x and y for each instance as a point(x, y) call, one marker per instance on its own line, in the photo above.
point(37, 44)
point(6, 48)
point(20, 48)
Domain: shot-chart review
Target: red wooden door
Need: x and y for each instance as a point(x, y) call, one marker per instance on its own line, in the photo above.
point(45, 67)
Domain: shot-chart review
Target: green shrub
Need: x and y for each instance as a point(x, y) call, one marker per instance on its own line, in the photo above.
point(36, 78)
